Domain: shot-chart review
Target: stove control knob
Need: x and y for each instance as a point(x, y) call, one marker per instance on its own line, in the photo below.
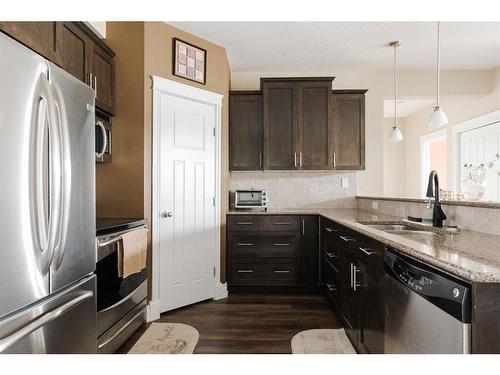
point(456, 292)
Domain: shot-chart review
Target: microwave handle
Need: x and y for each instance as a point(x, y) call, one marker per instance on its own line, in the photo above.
point(105, 140)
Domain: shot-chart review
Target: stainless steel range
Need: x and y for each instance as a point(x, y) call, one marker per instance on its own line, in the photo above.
point(121, 302)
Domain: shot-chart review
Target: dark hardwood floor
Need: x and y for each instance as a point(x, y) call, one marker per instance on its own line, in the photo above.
point(247, 323)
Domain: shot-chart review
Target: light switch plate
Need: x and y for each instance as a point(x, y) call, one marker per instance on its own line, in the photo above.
point(344, 182)
point(374, 205)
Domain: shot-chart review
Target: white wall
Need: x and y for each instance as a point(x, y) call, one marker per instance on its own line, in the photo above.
point(380, 85)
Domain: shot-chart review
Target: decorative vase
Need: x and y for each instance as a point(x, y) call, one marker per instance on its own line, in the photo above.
point(474, 181)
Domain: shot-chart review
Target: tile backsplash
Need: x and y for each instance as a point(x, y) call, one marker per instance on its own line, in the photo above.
point(300, 189)
point(479, 219)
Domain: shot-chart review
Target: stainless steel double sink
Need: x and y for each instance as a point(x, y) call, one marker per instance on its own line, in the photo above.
point(401, 229)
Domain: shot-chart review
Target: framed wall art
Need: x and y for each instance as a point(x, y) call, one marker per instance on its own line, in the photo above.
point(189, 61)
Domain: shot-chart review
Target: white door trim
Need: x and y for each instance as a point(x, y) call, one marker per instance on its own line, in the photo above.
point(163, 86)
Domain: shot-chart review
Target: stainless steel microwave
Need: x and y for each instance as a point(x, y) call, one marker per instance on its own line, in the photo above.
point(250, 199)
point(102, 140)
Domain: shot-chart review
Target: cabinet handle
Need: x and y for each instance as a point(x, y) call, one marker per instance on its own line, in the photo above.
point(300, 159)
point(282, 244)
point(303, 227)
point(282, 223)
point(330, 230)
point(95, 86)
point(354, 278)
point(331, 287)
point(347, 239)
point(351, 274)
point(260, 159)
point(331, 255)
point(245, 244)
point(366, 250)
point(244, 223)
point(282, 271)
point(245, 271)
point(91, 80)
point(334, 160)
point(295, 159)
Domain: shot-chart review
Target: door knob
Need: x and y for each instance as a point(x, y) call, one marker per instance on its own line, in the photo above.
point(167, 214)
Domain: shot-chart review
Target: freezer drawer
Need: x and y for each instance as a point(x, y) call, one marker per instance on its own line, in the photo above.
point(63, 323)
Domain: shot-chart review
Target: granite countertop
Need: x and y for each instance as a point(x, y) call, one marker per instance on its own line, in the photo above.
point(473, 256)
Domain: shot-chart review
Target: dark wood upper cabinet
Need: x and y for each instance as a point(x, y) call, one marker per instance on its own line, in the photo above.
point(245, 131)
point(314, 124)
point(74, 47)
point(77, 49)
point(42, 37)
point(103, 76)
point(349, 129)
point(280, 124)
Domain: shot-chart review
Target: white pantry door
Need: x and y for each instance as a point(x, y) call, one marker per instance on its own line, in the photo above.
point(187, 182)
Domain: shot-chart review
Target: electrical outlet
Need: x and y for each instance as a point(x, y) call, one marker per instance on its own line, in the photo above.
point(374, 205)
point(344, 182)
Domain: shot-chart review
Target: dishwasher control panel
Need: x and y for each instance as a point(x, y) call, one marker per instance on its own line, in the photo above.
point(446, 291)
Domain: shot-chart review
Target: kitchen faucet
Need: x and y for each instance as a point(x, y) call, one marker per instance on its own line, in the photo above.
point(438, 214)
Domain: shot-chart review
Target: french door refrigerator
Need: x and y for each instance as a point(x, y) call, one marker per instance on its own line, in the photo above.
point(47, 206)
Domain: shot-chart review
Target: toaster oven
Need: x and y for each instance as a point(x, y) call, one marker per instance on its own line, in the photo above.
point(250, 199)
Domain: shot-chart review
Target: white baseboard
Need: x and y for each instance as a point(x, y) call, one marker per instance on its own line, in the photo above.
point(153, 311)
point(220, 291)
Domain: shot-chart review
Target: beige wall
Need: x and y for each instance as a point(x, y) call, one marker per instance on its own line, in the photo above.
point(158, 61)
point(394, 157)
point(119, 185)
point(380, 85)
point(144, 49)
point(458, 109)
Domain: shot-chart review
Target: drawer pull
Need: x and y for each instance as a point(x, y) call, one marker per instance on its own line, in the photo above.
point(245, 244)
point(282, 271)
point(282, 223)
point(331, 287)
point(244, 223)
point(330, 230)
point(331, 255)
point(366, 250)
point(347, 239)
point(245, 271)
point(282, 244)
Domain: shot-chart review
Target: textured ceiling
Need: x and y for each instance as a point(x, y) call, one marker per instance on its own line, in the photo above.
point(301, 46)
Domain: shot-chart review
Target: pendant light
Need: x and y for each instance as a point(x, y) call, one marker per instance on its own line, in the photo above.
point(438, 116)
point(396, 135)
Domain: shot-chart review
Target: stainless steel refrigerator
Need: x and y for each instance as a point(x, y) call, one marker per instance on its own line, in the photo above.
point(47, 206)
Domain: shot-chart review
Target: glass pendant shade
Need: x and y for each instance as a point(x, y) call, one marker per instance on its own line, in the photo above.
point(396, 135)
point(438, 117)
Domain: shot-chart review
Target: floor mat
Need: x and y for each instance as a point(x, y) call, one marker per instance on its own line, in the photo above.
point(322, 341)
point(167, 338)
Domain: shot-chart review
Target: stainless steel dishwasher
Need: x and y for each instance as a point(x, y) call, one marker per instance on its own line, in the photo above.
point(426, 309)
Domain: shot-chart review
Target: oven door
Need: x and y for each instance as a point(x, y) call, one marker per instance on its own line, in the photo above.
point(116, 296)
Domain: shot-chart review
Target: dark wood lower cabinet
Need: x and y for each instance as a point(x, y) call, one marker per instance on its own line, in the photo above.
point(272, 250)
point(353, 283)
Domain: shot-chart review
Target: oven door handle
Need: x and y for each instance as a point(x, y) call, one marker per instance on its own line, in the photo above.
point(100, 346)
point(109, 241)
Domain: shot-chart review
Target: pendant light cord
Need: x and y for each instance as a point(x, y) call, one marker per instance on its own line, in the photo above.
point(395, 84)
point(438, 64)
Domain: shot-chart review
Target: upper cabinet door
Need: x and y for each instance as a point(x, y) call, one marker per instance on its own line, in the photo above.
point(42, 37)
point(349, 130)
point(315, 125)
point(77, 48)
point(103, 76)
point(245, 131)
point(280, 124)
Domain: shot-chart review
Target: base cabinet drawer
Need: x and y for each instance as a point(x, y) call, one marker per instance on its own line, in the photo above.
point(281, 223)
point(241, 245)
point(254, 272)
point(251, 223)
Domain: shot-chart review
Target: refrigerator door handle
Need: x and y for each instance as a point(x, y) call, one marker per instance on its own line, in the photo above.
point(54, 177)
point(65, 167)
point(8, 341)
